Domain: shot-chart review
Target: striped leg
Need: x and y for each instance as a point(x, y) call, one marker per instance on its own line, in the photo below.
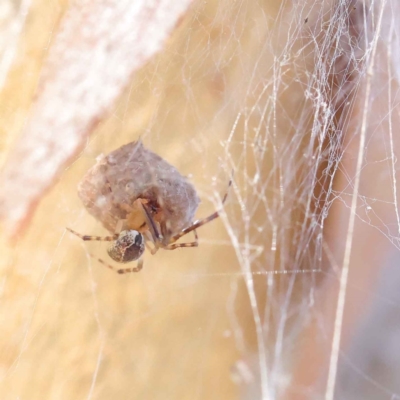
point(138, 267)
point(174, 246)
point(200, 222)
point(99, 238)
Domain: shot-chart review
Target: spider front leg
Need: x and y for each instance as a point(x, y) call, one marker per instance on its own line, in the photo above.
point(201, 222)
point(174, 246)
point(99, 238)
point(153, 250)
point(153, 235)
point(138, 267)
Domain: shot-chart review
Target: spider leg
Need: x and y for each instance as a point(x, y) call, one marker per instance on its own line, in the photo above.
point(174, 246)
point(202, 221)
point(165, 232)
point(138, 267)
point(156, 236)
point(149, 238)
point(89, 237)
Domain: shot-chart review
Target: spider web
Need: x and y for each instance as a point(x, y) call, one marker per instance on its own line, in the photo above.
point(292, 293)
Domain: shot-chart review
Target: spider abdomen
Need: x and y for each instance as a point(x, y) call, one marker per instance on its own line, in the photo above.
point(128, 247)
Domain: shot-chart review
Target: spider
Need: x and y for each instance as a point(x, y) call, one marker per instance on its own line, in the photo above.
point(129, 245)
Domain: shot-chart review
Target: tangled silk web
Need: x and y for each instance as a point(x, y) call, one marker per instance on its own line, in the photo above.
point(318, 140)
point(304, 110)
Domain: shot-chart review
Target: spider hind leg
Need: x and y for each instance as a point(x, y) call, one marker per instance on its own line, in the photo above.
point(121, 271)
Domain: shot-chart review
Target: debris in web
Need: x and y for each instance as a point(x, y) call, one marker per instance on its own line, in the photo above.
point(111, 187)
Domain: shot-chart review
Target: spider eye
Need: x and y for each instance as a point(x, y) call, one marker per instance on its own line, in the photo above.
point(128, 247)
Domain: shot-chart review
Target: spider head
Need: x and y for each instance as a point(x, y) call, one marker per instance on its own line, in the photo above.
point(128, 247)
